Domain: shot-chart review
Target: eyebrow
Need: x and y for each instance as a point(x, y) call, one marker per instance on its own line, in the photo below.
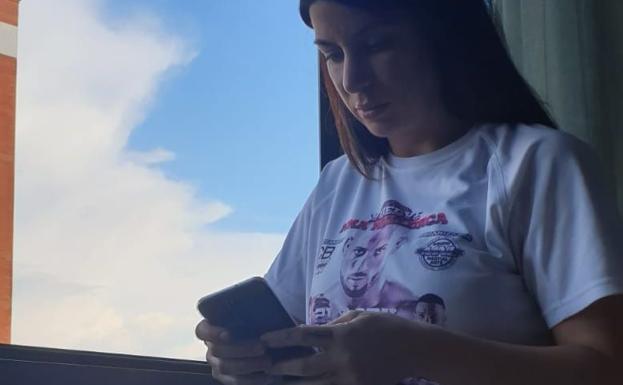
point(361, 31)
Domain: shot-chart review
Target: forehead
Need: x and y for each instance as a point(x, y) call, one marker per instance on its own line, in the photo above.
point(373, 237)
point(332, 19)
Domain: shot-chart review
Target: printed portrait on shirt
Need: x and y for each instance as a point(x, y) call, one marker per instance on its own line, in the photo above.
point(429, 308)
point(319, 310)
point(355, 269)
point(362, 270)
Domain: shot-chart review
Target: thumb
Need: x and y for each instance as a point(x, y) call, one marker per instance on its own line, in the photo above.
point(346, 317)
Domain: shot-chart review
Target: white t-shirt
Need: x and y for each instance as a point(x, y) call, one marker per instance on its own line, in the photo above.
point(501, 234)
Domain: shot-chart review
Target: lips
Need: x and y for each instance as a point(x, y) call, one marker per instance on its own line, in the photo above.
point(371, 111)
point(357, 277)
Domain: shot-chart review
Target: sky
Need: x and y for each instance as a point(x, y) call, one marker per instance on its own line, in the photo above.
point(163, 148)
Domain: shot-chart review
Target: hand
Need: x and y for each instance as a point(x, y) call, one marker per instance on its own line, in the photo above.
point(232, 362)
point(359, 348)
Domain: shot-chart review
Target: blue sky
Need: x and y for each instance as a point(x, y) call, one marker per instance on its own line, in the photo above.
point(241, 118)
point(162, 153)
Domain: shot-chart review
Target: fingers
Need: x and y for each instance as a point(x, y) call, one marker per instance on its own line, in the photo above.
point(238, 366)
point(311, 366)
point(346, 317)
point(239, 350)
point(321, 380)
point(318, 336)
point(251, 379)
point(205, 331)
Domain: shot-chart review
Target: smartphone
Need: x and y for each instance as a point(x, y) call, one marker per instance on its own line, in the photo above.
point(249, 309)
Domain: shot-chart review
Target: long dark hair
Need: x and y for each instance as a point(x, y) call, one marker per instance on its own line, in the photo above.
point(479, 82)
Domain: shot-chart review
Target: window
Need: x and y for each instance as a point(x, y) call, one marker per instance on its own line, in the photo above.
point(163, 150)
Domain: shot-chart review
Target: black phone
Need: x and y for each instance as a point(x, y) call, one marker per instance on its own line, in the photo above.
point(249, 309)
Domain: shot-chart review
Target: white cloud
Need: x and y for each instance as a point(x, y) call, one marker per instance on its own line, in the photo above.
point(110, 255)
point(148, 158)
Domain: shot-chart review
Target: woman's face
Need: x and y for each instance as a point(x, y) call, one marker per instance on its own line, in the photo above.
point(381, 70)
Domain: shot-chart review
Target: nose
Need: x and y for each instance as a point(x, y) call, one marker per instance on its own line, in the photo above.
point(358, 264)
point(357, 74)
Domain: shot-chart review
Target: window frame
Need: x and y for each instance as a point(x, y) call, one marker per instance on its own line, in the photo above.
point(35, 365)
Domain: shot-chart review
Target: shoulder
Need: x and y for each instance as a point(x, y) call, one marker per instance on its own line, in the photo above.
point(535, 159)
point(336, 175)
point(396, 294)
point(339, 168)
point(519, 143)
point(538, 153)
point(335, 168)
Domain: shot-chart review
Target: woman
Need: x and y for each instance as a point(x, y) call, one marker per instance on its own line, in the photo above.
point(461, 240)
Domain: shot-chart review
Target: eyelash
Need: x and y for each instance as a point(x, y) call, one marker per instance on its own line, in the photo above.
point(330, 56)
point(373, 46)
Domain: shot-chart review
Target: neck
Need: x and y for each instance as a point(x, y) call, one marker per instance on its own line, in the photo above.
point(427, 136)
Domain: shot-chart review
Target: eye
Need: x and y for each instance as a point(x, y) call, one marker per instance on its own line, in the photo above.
point(359, 251)
point(333, 56)
point(379, 250)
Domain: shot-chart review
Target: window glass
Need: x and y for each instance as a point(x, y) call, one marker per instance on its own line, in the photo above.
point(162, 150)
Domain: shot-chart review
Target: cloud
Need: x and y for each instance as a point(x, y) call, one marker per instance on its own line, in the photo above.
point(110, 254)
point(148, 158)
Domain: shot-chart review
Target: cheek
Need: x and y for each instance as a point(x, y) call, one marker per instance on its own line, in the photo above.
point(418, 79)
point(346, 262)
point(375, 263)
point(335, 74)
point(399, 72)
point(389, 69)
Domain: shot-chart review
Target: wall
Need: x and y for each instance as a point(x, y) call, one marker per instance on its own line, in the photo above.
point(8, 66)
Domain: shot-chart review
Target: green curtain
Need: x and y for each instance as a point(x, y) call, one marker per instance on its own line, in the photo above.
point(571, 52)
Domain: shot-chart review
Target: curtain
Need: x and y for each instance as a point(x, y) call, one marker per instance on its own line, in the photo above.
point(571, 52)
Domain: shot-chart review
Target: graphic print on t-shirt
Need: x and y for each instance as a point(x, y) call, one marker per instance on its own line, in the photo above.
point(429, 308)
point(327, 249)
point(441, 251)
point(320, 310)
point(350, 269)
point(356, 257)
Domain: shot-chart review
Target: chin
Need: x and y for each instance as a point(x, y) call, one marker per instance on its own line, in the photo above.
point(379, 130)
point(353, 291)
